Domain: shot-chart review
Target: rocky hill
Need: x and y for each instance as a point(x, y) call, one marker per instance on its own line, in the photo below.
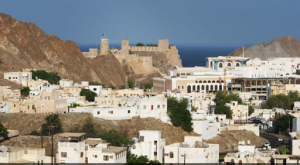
point(72, 122)
point(25, 45)
point(279, 47)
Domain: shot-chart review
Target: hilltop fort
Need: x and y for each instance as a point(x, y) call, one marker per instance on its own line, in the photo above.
point(139, 58)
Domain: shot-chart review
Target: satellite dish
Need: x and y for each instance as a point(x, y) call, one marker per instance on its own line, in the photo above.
point(240, 142)
point(243, 142)
point(248, 142)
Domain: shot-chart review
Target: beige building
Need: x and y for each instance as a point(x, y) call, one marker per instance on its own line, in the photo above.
point(239, 112)
point(21, 78)
point(110, 100)
point(294, 140)
point(36, 83)
point(122, 92)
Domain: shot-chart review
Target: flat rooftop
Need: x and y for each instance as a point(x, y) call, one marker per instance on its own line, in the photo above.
point(69, 134)
point(112, 149)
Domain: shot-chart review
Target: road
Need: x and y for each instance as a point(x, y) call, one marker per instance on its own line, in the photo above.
point(273, 139)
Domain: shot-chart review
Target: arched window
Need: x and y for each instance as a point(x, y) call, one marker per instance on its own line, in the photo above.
point(198, 88)
point(204, 81)
point(211, 87)
point(189, 89)
point(208, 81)
point(237, 64)
point(213, 81)
point(202, 88)
point(229, 64)
point(216, 87)
point(221, 65)
point(200, 81)
point(194, 88)
point(171, 155)
point(220, 87)
point(207, 88)
point(196, 81)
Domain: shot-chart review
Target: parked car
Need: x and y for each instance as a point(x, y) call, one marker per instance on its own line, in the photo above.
point(280, 139)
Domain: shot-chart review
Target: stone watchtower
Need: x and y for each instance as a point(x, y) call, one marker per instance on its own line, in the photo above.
point(163, 45)
point(125, 46)
point(104, 47)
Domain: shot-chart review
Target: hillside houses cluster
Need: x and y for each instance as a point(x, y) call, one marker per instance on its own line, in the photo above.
point(253, 80)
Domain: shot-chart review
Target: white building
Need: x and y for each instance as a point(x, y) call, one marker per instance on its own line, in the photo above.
point(12, 154)
point(131, 106)
point(204, 124)
point(19, 77)
point(4, 108)
point(248, 154)
point(223, 62)
point(287, 66)
point(95, 88)
point(254, 72)
point(72, 148)
point(294, 140)
point(150, 144)
point(192, 150)
point(65, 83)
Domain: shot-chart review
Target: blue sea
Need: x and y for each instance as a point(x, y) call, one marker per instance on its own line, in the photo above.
point(191, 55)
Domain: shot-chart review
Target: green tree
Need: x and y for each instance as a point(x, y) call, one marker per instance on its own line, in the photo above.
point(73, 105)
point(112, 87)
point(51, 77)
point(149, 85)
point(130, 83)
point(151, 44)
point(282, 100)
point(89, 95)
point(54, 118)
point(284, 122)
point(89, 128)
point(117, 139)
point(250, 110)
point(179, 115)
point(222, 109)
point(139, 44)
point(134, 159)
point(25, 91)
point(131, 52)
point(3, 129)
point(123, 87)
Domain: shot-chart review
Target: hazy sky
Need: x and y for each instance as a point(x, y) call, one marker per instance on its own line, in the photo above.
point(217, 22)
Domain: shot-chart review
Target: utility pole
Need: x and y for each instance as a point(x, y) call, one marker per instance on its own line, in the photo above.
point(52, 140)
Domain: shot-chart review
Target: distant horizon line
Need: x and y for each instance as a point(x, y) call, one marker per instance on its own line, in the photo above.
point(179, 44)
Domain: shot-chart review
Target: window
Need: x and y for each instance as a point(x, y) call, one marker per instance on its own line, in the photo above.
point(14, 105)
point(229, 64)
point(81, 154)
point(95, 156)
point(182, 87)
point(141, 138)
point(221, 65)
point(63, 154)
point(171, 155)
point(111, 112)
point(128, 111)
point(138, 106)
point(237, 64)
point(98, 113)
point(145, 106)
point(111, 157)
point(105, 157)
point(9, 78)
point(151, 107)
point(155, 142)
point(28, 107)
point(158, 106)
point(164, 106)
point(178, 87)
